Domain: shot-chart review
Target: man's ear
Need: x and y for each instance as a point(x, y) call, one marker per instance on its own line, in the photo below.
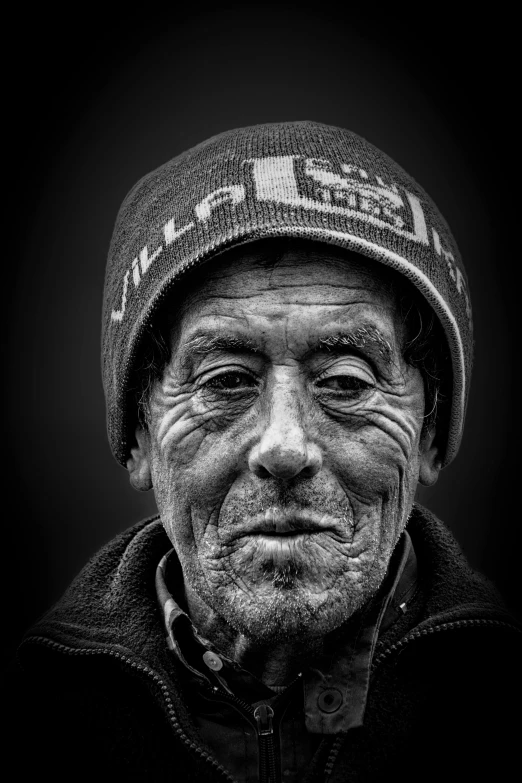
point(138, 463)
point(429, 462)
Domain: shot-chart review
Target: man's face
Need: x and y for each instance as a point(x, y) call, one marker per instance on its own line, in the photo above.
point(284, 442)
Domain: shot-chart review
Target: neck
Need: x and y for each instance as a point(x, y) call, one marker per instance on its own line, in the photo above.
point(276, 662)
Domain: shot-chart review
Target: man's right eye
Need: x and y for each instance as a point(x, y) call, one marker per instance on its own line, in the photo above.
point(230, 381)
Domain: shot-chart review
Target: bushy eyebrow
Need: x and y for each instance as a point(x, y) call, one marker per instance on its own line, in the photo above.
point(206, 343)
point(367, 338)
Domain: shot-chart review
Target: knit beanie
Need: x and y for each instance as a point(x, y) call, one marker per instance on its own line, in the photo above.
point(292, 179)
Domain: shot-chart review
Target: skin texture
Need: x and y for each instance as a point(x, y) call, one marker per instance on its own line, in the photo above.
point(284, 447)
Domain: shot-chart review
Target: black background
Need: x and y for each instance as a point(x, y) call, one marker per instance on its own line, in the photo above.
point(94, 102)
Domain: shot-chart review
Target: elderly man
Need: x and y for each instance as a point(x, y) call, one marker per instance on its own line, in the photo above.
point(287, 351)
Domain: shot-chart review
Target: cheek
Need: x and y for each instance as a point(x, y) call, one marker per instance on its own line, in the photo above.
point(180, 429)
point(205, 480)
point(194, 467)
point(374, 454)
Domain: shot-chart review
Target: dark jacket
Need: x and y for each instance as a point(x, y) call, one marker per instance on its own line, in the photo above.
point(96, 694)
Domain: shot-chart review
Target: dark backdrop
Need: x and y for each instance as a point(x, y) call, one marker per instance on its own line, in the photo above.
point(95, 103)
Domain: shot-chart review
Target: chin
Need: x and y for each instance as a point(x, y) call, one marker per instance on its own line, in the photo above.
point(284, 610)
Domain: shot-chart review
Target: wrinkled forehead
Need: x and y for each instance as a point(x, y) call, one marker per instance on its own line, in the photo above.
point(289, 273)
point(284, 299)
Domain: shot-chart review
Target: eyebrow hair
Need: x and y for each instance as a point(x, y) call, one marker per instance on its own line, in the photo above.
point(206, 343)
point(365, 337)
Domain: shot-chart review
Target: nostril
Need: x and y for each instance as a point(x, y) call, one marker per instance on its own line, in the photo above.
point(260, 471)
point(314, 460)
point(255, 464)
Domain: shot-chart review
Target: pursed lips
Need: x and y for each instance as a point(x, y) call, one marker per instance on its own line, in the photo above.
point(276, 522)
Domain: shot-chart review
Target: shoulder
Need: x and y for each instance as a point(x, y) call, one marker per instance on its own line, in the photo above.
point(453, 590)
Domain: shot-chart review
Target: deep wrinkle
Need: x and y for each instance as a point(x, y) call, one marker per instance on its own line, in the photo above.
point(302, 403)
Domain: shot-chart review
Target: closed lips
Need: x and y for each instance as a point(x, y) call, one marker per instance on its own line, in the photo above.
point(278, 522)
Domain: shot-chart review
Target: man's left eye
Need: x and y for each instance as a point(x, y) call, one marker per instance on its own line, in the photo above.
point(344, 384)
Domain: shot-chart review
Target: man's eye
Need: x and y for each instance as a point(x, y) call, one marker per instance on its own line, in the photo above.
point(230, 381)
point(344, 384)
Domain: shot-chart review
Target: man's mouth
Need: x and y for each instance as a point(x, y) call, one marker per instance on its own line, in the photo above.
point(289, 537)
point(290, 523)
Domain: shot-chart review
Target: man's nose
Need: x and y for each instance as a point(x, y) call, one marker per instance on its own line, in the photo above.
point(284, 449)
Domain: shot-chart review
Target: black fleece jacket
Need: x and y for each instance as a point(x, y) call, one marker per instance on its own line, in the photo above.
point(96, 694)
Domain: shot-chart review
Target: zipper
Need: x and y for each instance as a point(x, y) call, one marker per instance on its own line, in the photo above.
point(155, 677)
point(263, 716)
point(265, 732)
point(396, 648)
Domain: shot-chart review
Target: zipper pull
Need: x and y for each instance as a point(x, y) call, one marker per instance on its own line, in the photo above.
point(263, 715)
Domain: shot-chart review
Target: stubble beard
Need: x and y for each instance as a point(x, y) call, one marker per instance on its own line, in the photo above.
point(282, 605)
point(273, 599)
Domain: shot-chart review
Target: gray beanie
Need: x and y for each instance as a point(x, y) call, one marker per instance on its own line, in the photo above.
point(295, 179)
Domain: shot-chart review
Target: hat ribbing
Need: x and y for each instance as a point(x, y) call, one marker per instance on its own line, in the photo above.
point(296, 179)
